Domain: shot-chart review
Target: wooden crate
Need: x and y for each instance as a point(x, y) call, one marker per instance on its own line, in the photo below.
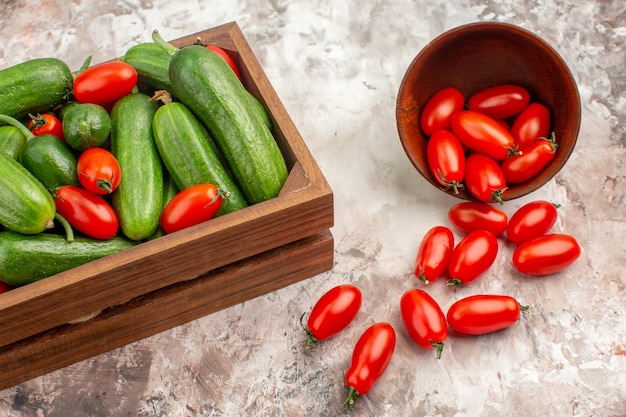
point(163, 283)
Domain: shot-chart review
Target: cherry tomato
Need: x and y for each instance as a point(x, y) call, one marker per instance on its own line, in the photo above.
point(4, 287)
point(500, 102)
point(98, 171)
point(332, 313)
point(191, 206)
point(446, 159)
point(227, 58)
point(424, 320)
point(547, 254)
point(531, 220)
point(484, 178)
point(46, 124)
point(481, 133)
point(530, 125)
point(483, 313)
point(370, 358)
point(105, 83)
point(471, 215)
point(471, 257)
point(433, 254)
point(530, 162)
point(439, 110)
point(87, 212)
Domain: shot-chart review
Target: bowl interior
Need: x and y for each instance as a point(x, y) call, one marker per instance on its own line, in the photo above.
point(480, 55)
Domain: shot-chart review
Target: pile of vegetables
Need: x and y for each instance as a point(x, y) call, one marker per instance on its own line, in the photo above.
point(123, 152)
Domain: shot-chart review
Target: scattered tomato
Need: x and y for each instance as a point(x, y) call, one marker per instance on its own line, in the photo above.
point(532, 220)
point(483, 313)
point(483, 134)
point(433, 254)
point(98, 171)
point(332, 313)
point(424, 320)
point(87, 212)
point(370, 358)
point(439, 110)
point(227, 58)
point(471, 215)
point(547, 254)
point(446, 159)
point(105, 83)
point(530, 125)
point(46, 124)
point(500, 101)
point(484, 178)
point(191, 206)
point(471, 257)
point(530, 162)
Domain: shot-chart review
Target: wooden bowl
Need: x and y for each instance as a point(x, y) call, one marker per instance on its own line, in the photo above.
point(479, 55)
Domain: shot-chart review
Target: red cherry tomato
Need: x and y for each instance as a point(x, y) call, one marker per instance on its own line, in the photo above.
point(481, 133)
point(4, 287)
point(531, 220)
point(424, 320)
point(332, 313)
point(547, 254)
point(98, 171)
point(446, 159)
point(439, 110)
point(530, 125)
point(473, 255)
point(191, 206)
point(530, 162)
point(433, 254)
point(500, 102)
point(46, 124)
point(86, 212)
point(227, 58)
point(483, 313)
point(105, 83)
point(370, 358)
point(471, 215)
point(484, 178)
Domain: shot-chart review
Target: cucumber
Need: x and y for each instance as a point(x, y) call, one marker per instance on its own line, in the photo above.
point(25, 259)
point(139, 196)
point(86, 125)
point(170, 189)
point(51, 161)
point(12, 141)
point(34, 86)
point(206, 84)
point(25, 204)
point(183, 144)
point(151, 63)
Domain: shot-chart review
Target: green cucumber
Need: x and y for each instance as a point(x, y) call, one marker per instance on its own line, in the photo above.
point(183, 144)
point(12, 141)
point(207, 85)
point(28, 258)
point(151, 63)
point(86, 125)
point(34, 86)
point(170, 189)
point(51, 161)
point(138, 198)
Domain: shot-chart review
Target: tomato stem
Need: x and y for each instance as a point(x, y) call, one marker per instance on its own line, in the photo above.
point(454, 282)
point(69, 232)
point(497, 196)
point(311, 341)
point(438, 347)
point(523, 308)
point(351, 398)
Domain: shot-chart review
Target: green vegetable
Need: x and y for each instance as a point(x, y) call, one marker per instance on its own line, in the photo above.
point(151, 63)
point(86, 125)
point(51, 161)
point(28, 258)
point(12, 141)
point(34, 86)
point(206, 84)
point(138, 198)
point(184, 147)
